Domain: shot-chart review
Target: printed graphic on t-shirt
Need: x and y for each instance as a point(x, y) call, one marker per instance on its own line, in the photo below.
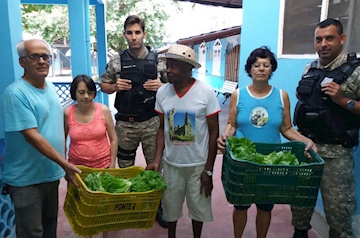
point(259, 117)
point(181, 125)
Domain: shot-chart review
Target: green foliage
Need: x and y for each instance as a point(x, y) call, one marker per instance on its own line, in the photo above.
point(115, 185)
point(245, 149)
point(48, 21)
point(51, 21)
point(93, 182)
point(147, 180)
point(144, 181)
point(154, 13)
point(105, 182)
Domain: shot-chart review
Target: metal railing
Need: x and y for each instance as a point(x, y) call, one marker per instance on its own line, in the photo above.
point(63, 91)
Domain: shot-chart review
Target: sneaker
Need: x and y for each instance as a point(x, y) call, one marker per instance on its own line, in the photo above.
point(300, 233)
point(159, 218)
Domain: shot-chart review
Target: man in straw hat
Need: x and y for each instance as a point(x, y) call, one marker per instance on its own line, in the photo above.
point(186, 140)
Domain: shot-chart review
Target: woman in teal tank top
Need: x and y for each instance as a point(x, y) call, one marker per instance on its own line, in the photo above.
point(259, 112)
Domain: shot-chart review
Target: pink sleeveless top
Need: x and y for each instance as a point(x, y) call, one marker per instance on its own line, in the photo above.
point(89, 143)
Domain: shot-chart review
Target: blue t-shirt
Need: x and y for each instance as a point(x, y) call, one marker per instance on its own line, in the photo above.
point(259, 119)
point(23, 107)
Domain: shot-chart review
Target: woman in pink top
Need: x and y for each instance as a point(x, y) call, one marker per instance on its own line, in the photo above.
point(93, 141)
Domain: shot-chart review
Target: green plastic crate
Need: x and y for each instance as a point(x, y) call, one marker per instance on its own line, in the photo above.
point(247, 182)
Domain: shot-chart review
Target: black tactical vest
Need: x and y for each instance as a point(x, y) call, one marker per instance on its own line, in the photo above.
point(317, 116)
point(137, 101)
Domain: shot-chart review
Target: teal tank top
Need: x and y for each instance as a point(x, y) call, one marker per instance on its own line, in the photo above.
point(259, 119)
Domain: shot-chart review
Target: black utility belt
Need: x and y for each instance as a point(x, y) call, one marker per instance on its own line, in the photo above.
point(132, 118)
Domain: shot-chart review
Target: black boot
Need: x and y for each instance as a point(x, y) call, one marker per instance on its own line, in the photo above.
point(300, 233)
point(159, 217)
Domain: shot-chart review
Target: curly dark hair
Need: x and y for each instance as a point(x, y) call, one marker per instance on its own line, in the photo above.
point(262, 52)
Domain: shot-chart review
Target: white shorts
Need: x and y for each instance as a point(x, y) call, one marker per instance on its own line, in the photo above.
point(184, 182)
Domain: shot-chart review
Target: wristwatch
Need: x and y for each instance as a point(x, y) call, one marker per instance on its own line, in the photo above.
point(350, 104)
point(208, 172)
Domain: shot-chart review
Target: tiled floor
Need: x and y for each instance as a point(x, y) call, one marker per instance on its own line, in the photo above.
point(221, 227)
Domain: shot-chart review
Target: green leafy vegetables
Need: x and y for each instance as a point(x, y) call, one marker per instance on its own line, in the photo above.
point(144, 181)
point(244, 149)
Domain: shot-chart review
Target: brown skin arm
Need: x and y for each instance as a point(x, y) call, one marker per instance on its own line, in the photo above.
point(108, 88)
point(206, 181)
point(120, 85)
point(231, 127)
point(153, 85)
point(34, 138)
point(160, 145)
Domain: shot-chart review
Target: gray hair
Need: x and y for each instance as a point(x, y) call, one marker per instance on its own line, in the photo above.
point(20, 47)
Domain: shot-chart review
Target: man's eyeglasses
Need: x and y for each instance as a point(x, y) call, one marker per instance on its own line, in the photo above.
point(36, 57)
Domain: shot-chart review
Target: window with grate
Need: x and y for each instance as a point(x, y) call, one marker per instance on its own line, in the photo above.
point(301, 17)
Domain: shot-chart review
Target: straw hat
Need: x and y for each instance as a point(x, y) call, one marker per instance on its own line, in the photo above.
point(182, 53)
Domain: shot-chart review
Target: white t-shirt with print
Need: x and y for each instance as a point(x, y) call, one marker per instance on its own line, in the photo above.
point(185, 126)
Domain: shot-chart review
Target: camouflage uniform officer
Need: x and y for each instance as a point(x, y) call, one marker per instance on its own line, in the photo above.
point(135, 75)
point(131, 127)
point(130, 133)
point(337, 183)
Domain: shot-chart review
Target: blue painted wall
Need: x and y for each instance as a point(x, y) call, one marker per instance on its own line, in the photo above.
point(10, 31)
point(260, 27)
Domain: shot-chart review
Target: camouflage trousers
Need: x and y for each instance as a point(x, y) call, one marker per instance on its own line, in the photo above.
point(130, 134)
point(338, 195)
